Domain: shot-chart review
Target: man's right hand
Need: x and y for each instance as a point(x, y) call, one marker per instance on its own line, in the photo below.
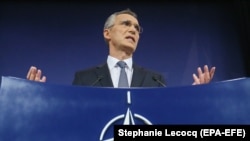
point(35, 74)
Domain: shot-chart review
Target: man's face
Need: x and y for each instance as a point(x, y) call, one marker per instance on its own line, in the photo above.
point(124, 34)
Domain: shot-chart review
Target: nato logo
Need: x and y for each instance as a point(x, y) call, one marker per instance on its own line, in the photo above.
point(129, 118)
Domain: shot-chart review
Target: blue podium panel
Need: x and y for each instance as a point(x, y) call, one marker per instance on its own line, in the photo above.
point(33, 111)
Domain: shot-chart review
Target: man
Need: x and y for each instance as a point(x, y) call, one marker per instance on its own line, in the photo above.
point(121, 33)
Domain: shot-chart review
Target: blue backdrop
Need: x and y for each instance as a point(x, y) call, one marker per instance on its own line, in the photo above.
point(60, 38)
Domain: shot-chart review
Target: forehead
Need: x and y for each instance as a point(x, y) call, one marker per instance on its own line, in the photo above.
point(126, 17)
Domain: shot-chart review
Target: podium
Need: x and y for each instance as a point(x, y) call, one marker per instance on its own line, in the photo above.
point(33, 111)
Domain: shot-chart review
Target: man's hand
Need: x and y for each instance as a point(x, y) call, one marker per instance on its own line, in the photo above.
point(203, 77)
point(35, 74)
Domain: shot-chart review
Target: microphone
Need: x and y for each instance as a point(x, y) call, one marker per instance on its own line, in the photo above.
point(157, 80)
point(99, 78)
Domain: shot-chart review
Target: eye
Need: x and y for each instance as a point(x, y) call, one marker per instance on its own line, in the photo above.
point(126, 23)
point(137, 27)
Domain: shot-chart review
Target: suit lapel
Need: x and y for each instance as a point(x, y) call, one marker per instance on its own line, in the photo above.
point(103, 70)
point(138, 76)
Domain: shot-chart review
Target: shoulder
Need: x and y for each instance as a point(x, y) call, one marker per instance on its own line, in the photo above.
point(147, 77)
point(89, 75)
point(92, 69)
point(146, 70)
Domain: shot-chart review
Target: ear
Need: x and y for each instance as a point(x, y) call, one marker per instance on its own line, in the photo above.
point(106, 34)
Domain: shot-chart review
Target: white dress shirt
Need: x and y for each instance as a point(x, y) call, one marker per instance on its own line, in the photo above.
point(114, 70)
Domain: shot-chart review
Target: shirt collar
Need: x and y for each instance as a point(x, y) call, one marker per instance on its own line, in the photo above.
point(112, 62)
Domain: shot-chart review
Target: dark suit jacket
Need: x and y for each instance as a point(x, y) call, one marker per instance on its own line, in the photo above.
point(100, 76)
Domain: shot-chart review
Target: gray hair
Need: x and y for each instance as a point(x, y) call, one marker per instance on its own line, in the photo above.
point(111, 19)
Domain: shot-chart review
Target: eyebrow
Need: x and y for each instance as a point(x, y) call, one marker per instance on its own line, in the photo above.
point(128, 21)
point(135, 24)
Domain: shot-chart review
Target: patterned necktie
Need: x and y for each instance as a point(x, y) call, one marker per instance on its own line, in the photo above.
point(123, 80)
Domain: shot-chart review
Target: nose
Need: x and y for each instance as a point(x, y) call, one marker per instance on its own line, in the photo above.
point(132, 30)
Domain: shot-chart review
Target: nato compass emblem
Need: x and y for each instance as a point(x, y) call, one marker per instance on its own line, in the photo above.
point(126, 119)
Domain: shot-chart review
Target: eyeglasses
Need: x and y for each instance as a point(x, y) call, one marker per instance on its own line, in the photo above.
point(128, 23)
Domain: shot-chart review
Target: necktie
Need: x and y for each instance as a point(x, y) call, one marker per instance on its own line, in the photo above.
point(123, 80)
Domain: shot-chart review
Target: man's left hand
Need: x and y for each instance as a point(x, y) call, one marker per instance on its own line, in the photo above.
point(203, 77)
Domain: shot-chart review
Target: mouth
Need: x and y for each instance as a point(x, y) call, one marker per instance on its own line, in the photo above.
point(130, 38)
